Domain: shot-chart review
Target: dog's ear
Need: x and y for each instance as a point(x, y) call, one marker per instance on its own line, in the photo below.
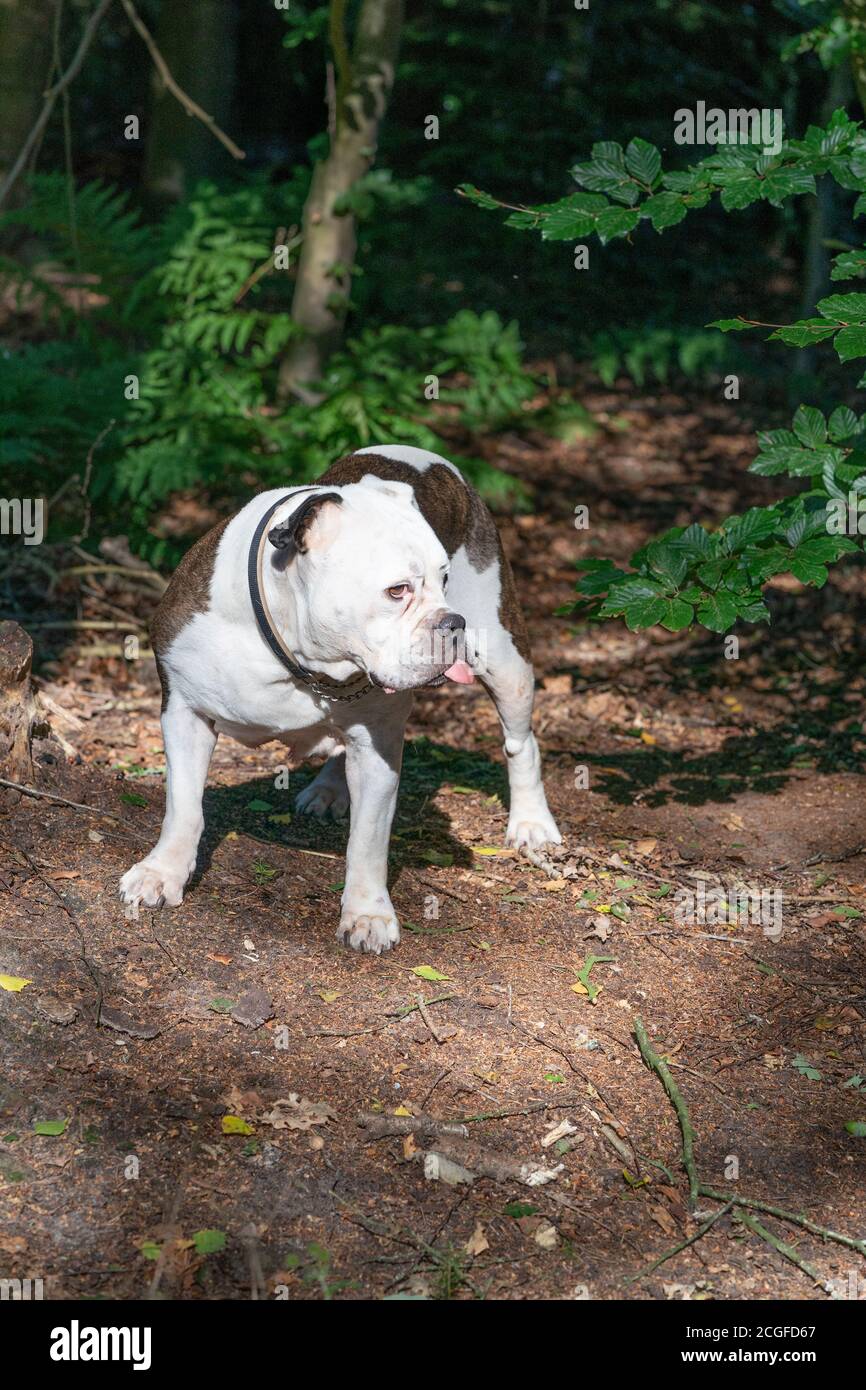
point(294, 532)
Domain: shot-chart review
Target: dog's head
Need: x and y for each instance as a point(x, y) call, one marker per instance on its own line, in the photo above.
point(368, 578)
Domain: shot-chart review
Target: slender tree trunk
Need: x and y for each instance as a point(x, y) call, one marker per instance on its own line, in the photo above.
point(855, 16)
point(363, 86)
point(821, 219)
point(25, 61)
point(197, 38)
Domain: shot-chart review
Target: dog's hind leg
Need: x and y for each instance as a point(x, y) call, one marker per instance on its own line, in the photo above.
point(328, 791)
point(160, 878)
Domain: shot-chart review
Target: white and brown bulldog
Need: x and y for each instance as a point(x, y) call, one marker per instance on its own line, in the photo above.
point(310, 618)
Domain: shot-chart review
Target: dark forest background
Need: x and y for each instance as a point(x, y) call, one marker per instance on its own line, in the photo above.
point(151, 354)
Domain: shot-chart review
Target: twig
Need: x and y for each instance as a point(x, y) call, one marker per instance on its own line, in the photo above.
point(85, 484)
point(441, 1077)
point(422, 1009)
point(150, 576)
point(812, 1226)
point(683, 1245)
point(575, 1103)
point(51, 96)
point(79, 625)
point(76, 926)
point(408, 1009)
point(267, 265)
point(386, 1126)
point(700, 1189)
point(656, 1064)
point(191, 107)
point(782, 1246)
point(170, 1228)
point(50, 796)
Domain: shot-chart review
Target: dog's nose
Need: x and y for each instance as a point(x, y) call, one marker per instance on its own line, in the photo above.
point(451, 622)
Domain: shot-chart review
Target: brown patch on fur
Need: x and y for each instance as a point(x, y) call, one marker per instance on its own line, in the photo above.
point(188, 593)
point(458, 516)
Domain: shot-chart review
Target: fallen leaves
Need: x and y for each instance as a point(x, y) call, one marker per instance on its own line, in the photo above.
point(51, 1129)
point(13, 983)
point(295, 1113)
point(477, 1242)
point(234, 1124)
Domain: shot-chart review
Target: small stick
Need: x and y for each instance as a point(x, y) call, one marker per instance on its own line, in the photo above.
point(385, 1126)
point(150, 575)
point(823, 1231)
point(411, 1008)
point(50, 796)
point(683, 1245)
point(422, 1009)
point(655, 1063)
point(441, 1077)
point(574, 1104)
point(782, 1246)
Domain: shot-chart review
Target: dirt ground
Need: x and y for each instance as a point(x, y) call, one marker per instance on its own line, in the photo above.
point(205, 1068)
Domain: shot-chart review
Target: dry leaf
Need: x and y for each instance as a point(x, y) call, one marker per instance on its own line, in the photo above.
point(13, 983)
point(546, 1237)
point(295, 1113)
point(477, 1242)
point(645, 846)
point(663, 1218)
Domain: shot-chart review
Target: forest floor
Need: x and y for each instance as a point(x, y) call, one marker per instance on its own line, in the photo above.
point(201, 1071)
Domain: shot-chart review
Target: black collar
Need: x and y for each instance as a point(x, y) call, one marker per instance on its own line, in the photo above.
point(320, 685)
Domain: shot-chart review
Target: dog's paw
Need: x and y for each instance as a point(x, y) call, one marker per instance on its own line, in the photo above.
point(532, 831)
point(320, 797)
point(151, 884)
point(375, 931)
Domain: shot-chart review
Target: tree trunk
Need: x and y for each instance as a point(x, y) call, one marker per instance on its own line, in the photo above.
point(822, 216)
point(328, 251)
point(855, 17)
point(197, 39)
point(25, 61)
point(18, 711)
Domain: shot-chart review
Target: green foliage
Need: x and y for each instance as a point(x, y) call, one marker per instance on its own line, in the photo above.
point(199, 317)
point(695, 575)
point(95, 235)
point(654, 353)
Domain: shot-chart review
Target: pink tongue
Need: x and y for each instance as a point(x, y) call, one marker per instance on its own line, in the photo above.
point(461, 673)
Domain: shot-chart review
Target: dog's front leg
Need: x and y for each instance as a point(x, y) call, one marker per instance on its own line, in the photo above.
point(373, 757)
point(159, 879)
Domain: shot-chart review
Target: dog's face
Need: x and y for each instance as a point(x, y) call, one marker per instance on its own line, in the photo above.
point(369, 577)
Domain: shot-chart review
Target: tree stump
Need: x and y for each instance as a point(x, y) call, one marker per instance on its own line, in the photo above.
point(18, 710)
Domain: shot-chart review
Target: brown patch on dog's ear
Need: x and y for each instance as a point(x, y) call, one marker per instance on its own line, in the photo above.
point(293, 533)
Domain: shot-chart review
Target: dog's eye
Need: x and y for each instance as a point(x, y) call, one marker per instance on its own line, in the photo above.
point(398, 591)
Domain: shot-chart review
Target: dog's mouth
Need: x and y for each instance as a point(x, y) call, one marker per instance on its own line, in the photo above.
point(459, 671)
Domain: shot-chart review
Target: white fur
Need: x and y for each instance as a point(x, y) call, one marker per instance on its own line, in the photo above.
point(333, 613)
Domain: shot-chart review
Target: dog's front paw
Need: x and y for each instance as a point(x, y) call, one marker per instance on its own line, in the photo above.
point(532, 831)
point(373, 929)
point(151, 884)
